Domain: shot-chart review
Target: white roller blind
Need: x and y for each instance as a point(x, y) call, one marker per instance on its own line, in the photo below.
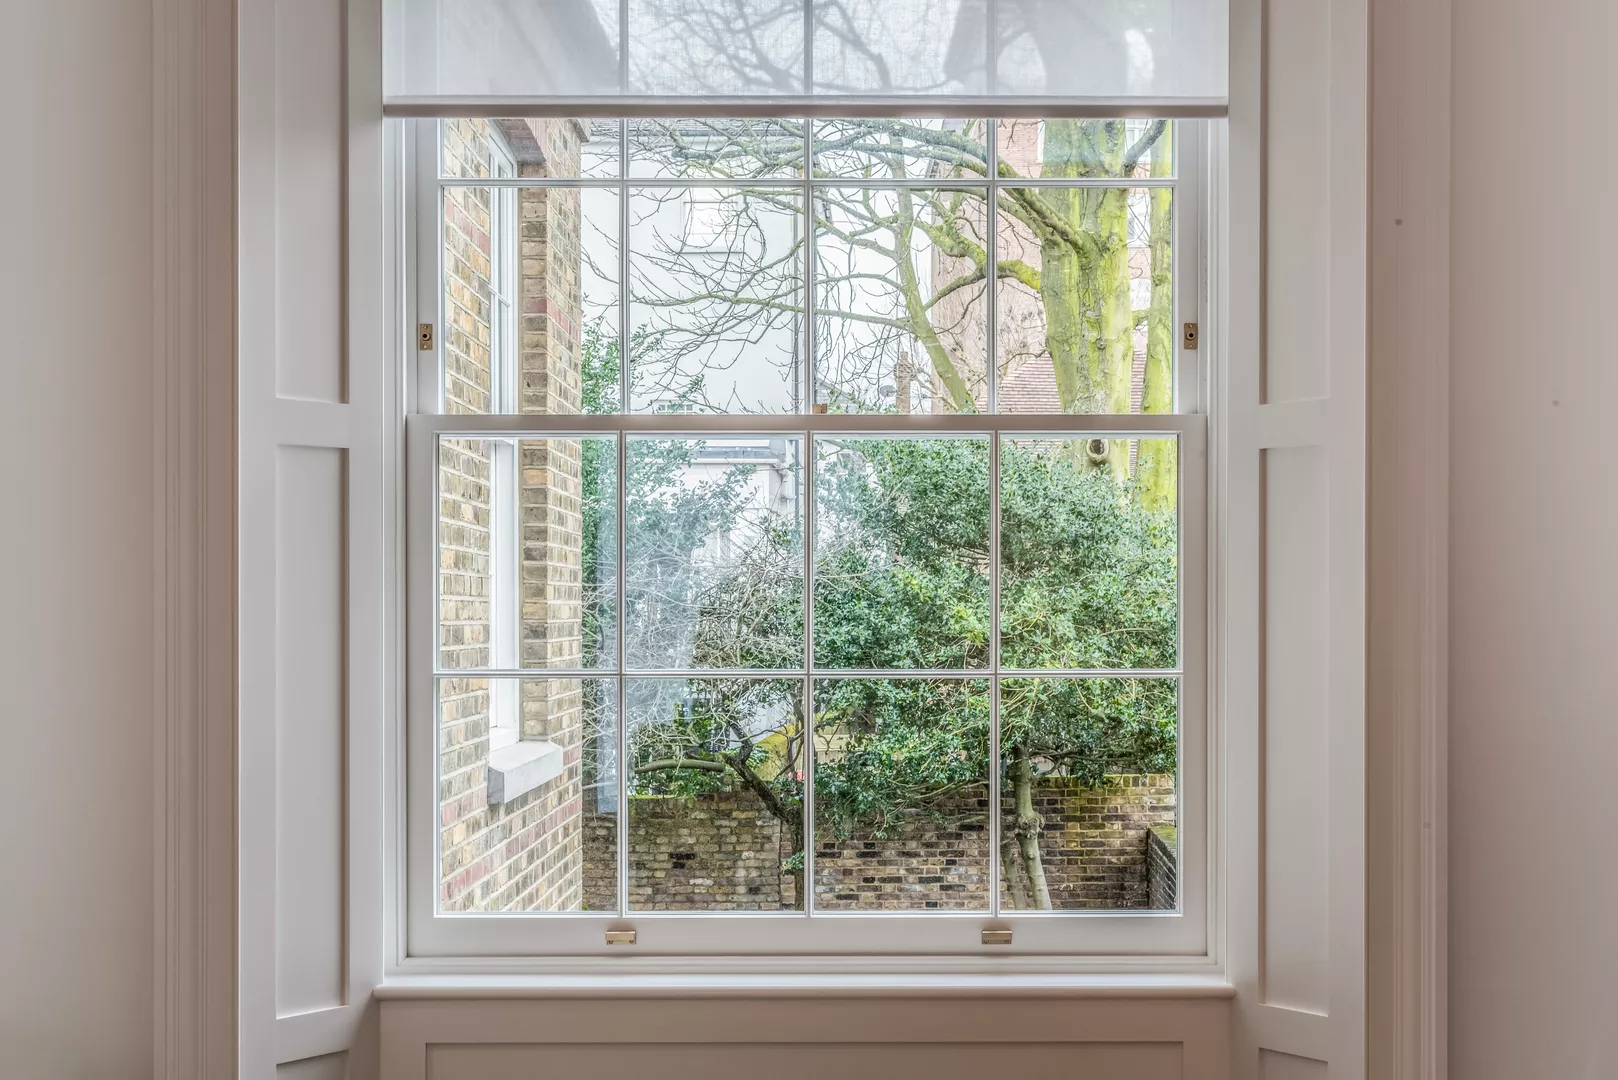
point(1163, 56)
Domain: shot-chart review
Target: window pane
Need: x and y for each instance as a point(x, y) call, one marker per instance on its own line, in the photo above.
point(562, 320)
point(901, 553)
point(716, 799)
point(714, 549)
point(901, 794)
point(1088, 559)
point(555, 148)
point(716, 300)
point(900, 46)
point(901, 318)
point(751, 149)
point(688, 47)
point(1086, 316)
point(528, 547)
point(887, 149)
point(1087, 778)
point(520, 825)
point(1071, 149)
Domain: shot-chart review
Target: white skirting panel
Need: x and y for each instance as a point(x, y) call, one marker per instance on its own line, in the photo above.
point(806, 1039)
point(813, 1061)
point(1274, 1065)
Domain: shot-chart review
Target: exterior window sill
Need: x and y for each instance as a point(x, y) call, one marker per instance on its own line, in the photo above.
point(521, 767)
point(516, 987)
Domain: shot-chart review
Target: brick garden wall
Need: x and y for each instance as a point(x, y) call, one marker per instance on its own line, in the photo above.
point(719, 852)
point(1162, 867)
point(1100, 859)
point(723, 851)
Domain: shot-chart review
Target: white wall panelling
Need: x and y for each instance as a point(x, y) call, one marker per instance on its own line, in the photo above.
point(1294, 427)
point(1274, 1065)
point(312, 583)
point(308, 198)
point(942, 1038)
point(324, 1067)
point(310, 521)
point(1296, 965)
point(1297, 174)
point(811, 1061)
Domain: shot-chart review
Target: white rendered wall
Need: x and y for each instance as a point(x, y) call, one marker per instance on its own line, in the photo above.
point(76, 431)
point(1534, 542)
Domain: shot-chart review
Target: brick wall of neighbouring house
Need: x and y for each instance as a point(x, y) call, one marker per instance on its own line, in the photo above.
point(468, 847)
point(1162, 868)
point(526, 854)
point(550, 489)
point(723, 851)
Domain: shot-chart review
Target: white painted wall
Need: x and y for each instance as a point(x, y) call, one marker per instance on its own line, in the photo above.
point(1534, 542)
point(76, 810)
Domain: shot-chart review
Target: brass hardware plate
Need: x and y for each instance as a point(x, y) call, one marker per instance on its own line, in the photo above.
point(1188, 336)
point(424, 336)
point(620, 937)
point(997, 937)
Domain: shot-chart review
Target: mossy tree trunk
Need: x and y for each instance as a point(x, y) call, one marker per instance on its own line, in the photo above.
point(1090, 327)
point(1027, 825)
point(1157, 460)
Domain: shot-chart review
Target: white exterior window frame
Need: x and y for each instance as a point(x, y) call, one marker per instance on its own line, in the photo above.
point(1184, 940)
point(505, 536)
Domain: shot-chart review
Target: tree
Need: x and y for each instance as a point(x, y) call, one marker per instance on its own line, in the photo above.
point(1156, 468)
point(902, 270)
point(687, 607)
point(1088, 575)
point(1087, 581)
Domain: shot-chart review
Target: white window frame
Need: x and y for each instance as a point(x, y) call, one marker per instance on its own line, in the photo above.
point(505, 537)
point(1181, 941)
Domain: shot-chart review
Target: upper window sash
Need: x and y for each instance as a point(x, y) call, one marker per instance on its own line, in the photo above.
point(714, 210)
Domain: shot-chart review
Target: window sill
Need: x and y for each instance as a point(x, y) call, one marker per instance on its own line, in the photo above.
point(517, 987)
point(521, 767)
